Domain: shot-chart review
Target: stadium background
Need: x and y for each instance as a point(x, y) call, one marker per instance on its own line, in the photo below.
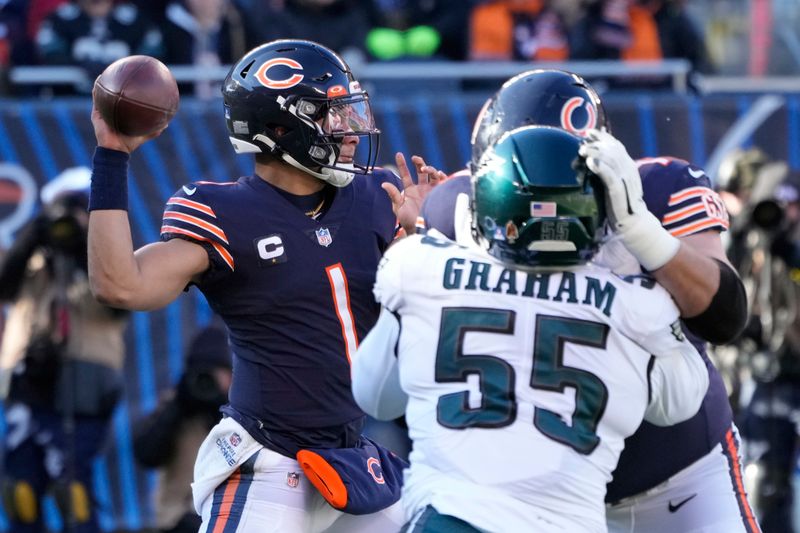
point(42, 138)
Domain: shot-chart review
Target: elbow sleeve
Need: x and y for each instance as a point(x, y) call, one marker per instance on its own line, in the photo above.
point(726, 315)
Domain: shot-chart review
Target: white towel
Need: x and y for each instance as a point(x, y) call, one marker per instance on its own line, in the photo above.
point(227, 446)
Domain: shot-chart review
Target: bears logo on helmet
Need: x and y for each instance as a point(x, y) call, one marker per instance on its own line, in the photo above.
point(541, 97)
point(286, 83)
point(568, 112)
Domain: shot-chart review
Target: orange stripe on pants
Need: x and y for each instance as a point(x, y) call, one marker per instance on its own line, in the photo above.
point(733, 452)
point(227, 502)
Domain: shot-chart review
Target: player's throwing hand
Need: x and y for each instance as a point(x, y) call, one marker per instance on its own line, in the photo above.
point(108, 138)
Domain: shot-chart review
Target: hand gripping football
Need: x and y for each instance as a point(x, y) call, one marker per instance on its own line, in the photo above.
point(136, 95)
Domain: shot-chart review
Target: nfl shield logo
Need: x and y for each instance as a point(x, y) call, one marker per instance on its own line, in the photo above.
point(293, 479)
point(324, 237)
point(235, 439)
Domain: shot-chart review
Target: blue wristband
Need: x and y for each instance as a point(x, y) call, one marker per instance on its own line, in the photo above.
point(109, 180)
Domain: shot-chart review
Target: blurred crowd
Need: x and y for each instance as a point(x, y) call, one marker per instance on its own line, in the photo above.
point(93, 33)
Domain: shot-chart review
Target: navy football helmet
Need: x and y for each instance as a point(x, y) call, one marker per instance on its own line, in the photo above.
point(298, 100)
point(534, 202)
point(541, 97)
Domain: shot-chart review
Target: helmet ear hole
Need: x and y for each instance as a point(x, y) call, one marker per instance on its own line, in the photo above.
point(246, 69)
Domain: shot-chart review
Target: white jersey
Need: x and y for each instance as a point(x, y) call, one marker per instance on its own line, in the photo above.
point(522, 386)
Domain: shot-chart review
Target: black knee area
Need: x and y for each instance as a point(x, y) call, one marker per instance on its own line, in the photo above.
point(726, 315)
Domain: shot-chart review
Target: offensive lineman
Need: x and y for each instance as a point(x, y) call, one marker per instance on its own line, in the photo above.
point(521, 368)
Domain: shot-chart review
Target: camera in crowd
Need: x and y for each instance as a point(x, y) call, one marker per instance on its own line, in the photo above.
point(756, 190)
point(205, 383)
point(63, 232)
point(63, 222)
point(200, 390)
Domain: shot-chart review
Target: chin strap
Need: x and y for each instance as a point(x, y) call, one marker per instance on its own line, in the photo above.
point(338, 177)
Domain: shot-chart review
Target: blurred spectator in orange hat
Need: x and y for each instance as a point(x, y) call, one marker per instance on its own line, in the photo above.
point(638, 30)
point(518, 30)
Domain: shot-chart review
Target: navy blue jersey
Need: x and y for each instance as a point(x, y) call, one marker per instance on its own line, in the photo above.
point(295, 293)
point(680, 195)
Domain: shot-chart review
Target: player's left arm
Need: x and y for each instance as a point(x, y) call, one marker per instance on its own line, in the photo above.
point(407, 203)
point(375, 376)
point(707, 289)
point(693, 268)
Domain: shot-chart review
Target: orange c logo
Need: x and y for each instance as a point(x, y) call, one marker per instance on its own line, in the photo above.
point(569, 109)
point(378, 477)
point(291, 81)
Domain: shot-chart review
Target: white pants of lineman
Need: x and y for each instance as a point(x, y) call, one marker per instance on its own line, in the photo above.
point(241, 487)
point(706, 497)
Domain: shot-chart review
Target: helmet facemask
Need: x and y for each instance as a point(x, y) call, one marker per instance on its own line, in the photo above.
point(329, 122)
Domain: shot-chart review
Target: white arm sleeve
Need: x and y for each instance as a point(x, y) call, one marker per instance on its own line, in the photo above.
point(678, 381)
point(376, 381)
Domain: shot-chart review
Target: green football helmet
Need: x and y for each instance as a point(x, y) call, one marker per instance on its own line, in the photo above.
point(534, 202)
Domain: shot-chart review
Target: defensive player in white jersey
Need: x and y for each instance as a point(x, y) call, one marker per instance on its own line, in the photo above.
point(521, 366)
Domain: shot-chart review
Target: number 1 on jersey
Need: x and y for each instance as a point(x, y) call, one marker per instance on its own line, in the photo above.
point(341, 303)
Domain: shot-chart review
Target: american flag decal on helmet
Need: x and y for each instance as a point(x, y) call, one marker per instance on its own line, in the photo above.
point(543, 209)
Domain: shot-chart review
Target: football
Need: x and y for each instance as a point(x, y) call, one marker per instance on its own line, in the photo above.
point(136, 95)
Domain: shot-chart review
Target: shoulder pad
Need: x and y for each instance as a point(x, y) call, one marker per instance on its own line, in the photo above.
point(670, 170)
point(680, 195)
point(190, 215)
point(438, 209)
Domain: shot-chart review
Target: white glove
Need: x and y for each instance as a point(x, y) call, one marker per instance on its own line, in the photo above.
point(641, 232)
